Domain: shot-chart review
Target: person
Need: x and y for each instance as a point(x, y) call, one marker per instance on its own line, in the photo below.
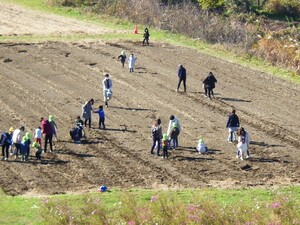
point(209, 85)
point(79, 123)
point(47, 131)
point(122, 58)
point(25, 147)
point(174, 135)
point(247, 140)
point(131, 63)
point(39, 150)
point(233, 124)
point(182, 77)
point(101, 116)
point(53, 125)
point(165, 145)
point(242, 148)
point(201, 147)
point(17, 139)
point(107, 89)
point(156, 133)
point(146, 36)
point(87, 112)
point(77, 132)
point(6, 141)
point(38, 135)
point(174, 119)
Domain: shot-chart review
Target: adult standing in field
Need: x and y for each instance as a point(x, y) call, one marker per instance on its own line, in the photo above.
point(131, 63)
point(174, 119)
point(146, 36)
point(107, 89)
point(182, 77)
point(209, 85)
point(156, 132)
point(5, 141)
point(17, 139)
point(47, 131)
point(87, 112)
point(233, 124)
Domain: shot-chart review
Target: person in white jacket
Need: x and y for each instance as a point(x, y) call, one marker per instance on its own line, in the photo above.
point(107, 89)
point(173, 119)
point(201, 147)
point(17, 139)
point(131, 63)
point(243, 144)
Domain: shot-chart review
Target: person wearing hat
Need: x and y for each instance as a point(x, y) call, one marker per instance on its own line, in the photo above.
point(201, 147)
point(182, 77)
point(25, 147)
point(5, 141)
point(107, 89)
point(17, 139)
point(165, 145)
point(53, 125)
point(122, 58)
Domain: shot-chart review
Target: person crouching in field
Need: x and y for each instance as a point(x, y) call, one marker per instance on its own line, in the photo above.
point(39, 150)
point(201, 147)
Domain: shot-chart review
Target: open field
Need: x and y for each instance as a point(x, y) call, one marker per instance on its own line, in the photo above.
point(39, 79)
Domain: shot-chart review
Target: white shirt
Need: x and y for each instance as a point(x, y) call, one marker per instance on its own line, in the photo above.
point(175, 120)
point(38, 133)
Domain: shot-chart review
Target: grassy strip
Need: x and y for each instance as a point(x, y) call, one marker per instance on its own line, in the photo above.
point(159, 36)
point(36, 210)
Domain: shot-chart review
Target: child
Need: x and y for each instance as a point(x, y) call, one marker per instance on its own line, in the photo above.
point(38, 135)
point(101, 116)
point(122, 58)
point(39, 150)
point(242, 147)
point(165, 146)
point(174, 135)
point(131, 63)
point(201, 147)
point(25, 147)
point(53, 125)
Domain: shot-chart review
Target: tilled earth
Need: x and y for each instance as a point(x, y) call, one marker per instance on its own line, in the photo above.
point(39, 79)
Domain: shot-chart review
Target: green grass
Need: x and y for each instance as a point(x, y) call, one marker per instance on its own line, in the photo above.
point(27, 210)
point(156, 35)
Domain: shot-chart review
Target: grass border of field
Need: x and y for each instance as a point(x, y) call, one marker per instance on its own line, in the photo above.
point(156, 36)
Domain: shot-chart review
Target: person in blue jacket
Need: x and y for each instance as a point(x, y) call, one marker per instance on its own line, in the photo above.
point(182, 77)
point(233, 124)
point(6, 141)
point(101, 116)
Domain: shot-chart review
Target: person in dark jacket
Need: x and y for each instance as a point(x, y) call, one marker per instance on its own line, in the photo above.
point(156, 132)
point(146, 36)
point(209, 85)
point(6, 141)
point(182, 77)
point(233, 124)
point(48, 134)
point(122, 58)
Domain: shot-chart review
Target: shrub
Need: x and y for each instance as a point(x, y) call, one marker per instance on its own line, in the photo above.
point(284, 7)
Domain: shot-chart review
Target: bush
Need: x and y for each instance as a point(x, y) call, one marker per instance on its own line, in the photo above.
point(284, 7)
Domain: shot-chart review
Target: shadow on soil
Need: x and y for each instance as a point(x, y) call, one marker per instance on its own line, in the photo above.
point(233, 99)
point(264, 144)
point(132, 109)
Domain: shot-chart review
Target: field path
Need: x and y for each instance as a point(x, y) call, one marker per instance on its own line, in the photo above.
point(39, 79)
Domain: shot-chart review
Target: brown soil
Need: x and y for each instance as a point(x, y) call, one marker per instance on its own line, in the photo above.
point(56, 78)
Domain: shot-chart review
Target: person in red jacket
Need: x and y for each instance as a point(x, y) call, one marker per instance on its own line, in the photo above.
point(48, 134)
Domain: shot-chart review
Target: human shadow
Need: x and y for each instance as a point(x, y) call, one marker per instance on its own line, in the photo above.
point(80, 155)
point(44, 161)
point(234, 99)
point(132, 109)
point(262, 143)
point(187, 158)
point(119, 130)
point(267, 160)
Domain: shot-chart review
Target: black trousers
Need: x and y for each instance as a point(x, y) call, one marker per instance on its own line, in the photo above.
point(48, 138)
point(88, 120)
point(155, 139)
point(5, 149)
point(101, 122)
point(209, 91)
point(184, 83)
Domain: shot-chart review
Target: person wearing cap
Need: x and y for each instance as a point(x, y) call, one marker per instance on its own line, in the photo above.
point(233, 124)
point(17, 139)
point(131, 63)
point(122, 58)
point(174, 135)
point(107, 89)
point(5, 141)
point(87, 112)
point(165, 145)
point(53, 125)
point(25, 147)
point(182, 77)
point(201, 147)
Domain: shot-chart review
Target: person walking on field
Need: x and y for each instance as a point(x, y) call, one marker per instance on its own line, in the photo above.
point(209, 85)
point(131, 63)
point(233, 124)
point(122, 58)
point(182, 77)
point(107, 89)
point(87, 112)
point(146, 36)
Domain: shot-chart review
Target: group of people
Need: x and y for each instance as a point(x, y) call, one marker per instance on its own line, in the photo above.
point(17, 141)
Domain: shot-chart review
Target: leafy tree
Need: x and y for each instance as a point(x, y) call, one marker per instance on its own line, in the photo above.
point(211, 4)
